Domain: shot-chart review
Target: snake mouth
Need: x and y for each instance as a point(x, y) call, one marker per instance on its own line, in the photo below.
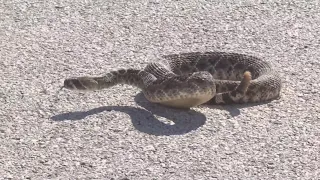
point(75, 84)
point(81, 84)
point(71, 84)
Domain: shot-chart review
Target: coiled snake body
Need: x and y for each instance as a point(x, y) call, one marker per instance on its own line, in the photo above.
point(190, 79)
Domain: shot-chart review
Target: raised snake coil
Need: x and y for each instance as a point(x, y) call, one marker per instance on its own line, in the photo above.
point(190, 79)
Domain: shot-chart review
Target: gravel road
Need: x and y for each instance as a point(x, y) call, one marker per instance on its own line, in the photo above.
point(116, 133)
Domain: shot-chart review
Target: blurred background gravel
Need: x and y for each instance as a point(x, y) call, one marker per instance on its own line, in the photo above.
point(116, 133)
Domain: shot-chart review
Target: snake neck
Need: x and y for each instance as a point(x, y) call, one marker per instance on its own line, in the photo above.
point(132, 77)
point(122, 76)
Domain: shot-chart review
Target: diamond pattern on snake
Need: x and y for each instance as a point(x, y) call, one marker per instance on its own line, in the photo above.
point(189, 79)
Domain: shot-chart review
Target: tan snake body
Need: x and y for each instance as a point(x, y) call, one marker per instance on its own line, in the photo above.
point(190, 79)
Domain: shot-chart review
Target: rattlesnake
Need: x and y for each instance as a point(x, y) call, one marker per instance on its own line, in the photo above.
point(190, 79)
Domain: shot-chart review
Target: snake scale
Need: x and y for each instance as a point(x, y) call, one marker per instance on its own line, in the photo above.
point(189, 79)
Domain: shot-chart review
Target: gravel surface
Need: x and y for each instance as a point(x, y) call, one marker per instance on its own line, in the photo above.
point(116, 133)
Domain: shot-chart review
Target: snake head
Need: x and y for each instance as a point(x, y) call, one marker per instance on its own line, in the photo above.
point(70, 84)
point(81, 83)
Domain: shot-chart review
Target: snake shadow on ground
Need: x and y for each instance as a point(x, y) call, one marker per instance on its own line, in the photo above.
point(148, 120)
